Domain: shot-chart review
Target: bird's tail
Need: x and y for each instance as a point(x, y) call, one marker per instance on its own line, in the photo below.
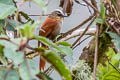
point(42, 61)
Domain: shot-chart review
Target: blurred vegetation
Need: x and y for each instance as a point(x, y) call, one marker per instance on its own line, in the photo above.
point(16, 54)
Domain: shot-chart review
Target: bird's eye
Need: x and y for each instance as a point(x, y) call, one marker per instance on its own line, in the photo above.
point(59, 14)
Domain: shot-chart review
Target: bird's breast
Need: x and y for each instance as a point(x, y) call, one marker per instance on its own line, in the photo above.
point(57, 29)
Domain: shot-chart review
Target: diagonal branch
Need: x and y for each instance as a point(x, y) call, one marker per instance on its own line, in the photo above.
point(82, 41)
point(95, 9)
point(78, 32)
point(75, 28)
point(83, 32)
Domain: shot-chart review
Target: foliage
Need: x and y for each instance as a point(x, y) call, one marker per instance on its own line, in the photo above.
point(17, 54)
point(7, 8)
point(116, 39)
point(107, 71)
point(14, 51)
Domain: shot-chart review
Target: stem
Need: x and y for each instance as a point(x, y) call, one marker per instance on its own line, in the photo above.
point(83, 32)
point(27, 46)
point(96, 53)
point(75, 28)
point(114, 67)
point(95, 9)
point(9, 69)
point(38, 15)
point(82, 41)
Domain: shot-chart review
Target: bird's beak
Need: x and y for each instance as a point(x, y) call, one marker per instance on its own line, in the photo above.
point(64, 16)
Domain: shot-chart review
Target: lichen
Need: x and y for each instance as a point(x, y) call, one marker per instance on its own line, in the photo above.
point(81, 71)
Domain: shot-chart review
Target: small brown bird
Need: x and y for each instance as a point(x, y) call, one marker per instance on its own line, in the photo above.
point(51, 28)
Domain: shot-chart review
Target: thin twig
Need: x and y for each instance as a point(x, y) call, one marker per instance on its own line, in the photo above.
point(81, 41)
point(96, 53)
point(77, 27)
point(38, 15)
point(9, 69)
point(78, 32)
point(89, 10)
point(94, 3)
point(83, 32)
point(28, 67)
point(29, 47)
point(77, 1)
point(95, 9)
point(113, 66)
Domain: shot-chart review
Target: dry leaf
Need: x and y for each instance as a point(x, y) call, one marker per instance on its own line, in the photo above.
point(67, 6)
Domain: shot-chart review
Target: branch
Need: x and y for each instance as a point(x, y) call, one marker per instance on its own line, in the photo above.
point(82, 41)
point(75, 28)
point(27, 46)
point(118, 5)
point(94, 3)
point(78, 32)
point(96, 53)
point(95, 9)
point(38, 15)
point(83, 32)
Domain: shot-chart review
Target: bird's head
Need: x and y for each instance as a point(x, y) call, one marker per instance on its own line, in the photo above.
point(57, 14)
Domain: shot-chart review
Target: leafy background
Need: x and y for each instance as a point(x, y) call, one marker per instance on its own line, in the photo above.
point(79, 14)
point(16, 65)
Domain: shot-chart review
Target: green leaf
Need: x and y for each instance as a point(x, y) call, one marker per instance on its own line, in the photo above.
point(11, 24)
point(1, 29)
point(64, 43)
point(33, 68)
point(43, 76)
point(28, 29)
point(48, 43)
point(8, 75)
point(11, 53)
point(2, 73)
point(6, 8)
point(28, 70)
point(102, 10)
point(8, 2)
point(55, 60)
point(108, 72)
point(67, 50)
point(1, 50)
point(115, 5)
point(3, 60)
point(12, 75)
point(4, 36)
point(24, 72)
point(117, 57)
point(111, 75)
point(16, 57)
point(110, 53)
point(116, 39)
point(98, 21)
point(101, 71)
point(113, 58)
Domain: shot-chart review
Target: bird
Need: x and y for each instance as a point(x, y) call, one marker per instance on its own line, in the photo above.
point(50, 29)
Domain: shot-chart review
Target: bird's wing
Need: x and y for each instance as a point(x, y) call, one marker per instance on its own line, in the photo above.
point(47, 27)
